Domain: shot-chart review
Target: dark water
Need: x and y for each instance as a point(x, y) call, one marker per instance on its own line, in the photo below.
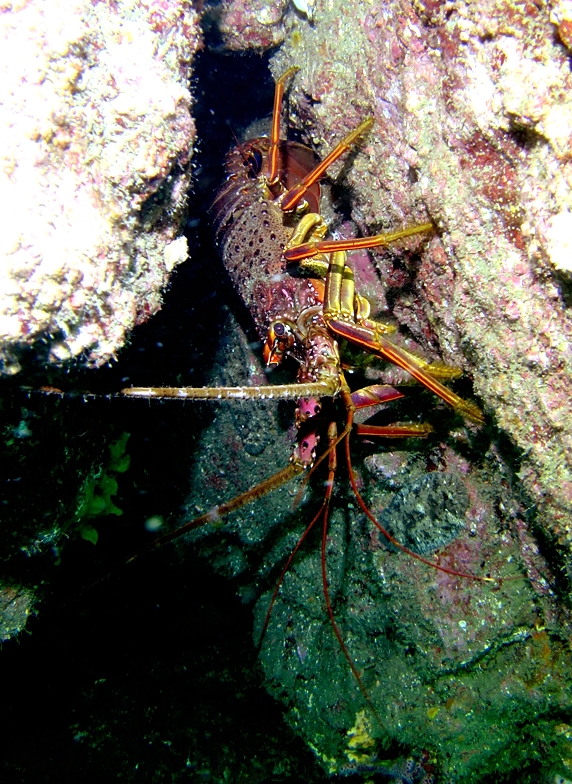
point(152, 674)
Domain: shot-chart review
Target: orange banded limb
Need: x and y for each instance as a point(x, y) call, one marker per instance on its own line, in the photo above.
point(435, 369)
point(309, 249)
point(371, 396)
point(323, 514)
point(332, 466)
point(413, 430)
point(273, 172)
point(380, 346)
point(374, 395)
point(395, 543)
point(294, 195)
point(217, 515)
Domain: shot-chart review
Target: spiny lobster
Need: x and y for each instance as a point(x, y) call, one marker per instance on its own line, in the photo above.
point(301, 294)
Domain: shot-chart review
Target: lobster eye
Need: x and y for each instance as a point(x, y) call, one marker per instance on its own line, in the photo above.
point(254, 162)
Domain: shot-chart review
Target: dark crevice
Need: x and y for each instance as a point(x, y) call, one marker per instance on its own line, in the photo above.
point(151, 675)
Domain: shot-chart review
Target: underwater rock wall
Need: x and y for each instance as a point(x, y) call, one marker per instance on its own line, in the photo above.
point(473, 121)
point(474, 673)
point(472, 130)
point(96, 142)
point(253, 25)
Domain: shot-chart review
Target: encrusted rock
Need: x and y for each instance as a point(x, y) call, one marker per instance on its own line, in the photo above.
point(428, 513)
point(472, 113)
point(96, 142)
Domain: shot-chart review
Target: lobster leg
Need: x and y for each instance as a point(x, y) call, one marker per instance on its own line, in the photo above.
point(314, 247)
point(216, 516)
point(380, 346)
point(294, 195)
point(339, 315)
point(382, 393)
point(273, 169)
point(348, 399)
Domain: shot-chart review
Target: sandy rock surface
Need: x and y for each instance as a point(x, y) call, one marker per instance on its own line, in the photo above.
point(97, 137)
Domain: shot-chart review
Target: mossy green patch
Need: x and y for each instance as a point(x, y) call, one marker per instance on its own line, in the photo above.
point(101, 486)
point(89, 533)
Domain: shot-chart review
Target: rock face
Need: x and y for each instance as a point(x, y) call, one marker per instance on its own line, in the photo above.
point(256, 24)
point(473, 121)
point(467, 680)
point(96, 142)
point(472, 109)
point(446, 661)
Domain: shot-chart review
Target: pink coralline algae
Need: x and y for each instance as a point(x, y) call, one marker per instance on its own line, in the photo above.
point(96, 142)
point(256, 24)
point(473, 129)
